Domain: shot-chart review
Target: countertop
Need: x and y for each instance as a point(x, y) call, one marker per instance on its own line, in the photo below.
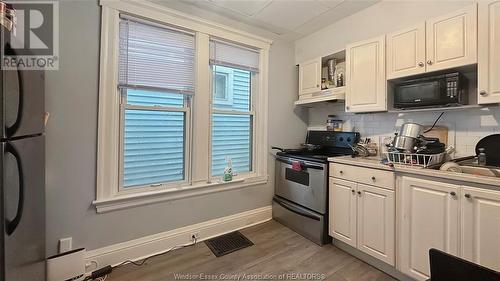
point(374, 163)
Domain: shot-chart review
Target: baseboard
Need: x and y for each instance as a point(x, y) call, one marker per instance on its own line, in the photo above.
point(380, 265)
point(149, 245)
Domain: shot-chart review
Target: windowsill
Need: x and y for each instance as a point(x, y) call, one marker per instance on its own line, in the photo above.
point(149, 197)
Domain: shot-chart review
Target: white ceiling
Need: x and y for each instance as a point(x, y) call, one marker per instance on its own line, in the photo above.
point(290, 18)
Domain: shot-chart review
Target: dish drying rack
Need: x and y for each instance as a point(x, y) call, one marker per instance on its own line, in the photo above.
point(415, 159)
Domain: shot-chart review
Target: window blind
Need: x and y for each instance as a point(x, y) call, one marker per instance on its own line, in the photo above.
point(156, 57)
point(231, 55)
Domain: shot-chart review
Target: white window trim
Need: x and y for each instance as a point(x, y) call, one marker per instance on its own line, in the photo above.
point(186, 109)
point(251, 112)
point(108, 197)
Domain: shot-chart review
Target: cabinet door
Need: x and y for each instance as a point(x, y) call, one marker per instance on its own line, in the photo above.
point(310, 77)
point(406, 52)
point(489, 52)
point(342, 213)
point(481, 227)
point(365, 76)
point(376, 213)
point(430, 219)
point(452, 39)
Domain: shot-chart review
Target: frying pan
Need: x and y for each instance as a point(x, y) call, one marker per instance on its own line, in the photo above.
point(491, 145)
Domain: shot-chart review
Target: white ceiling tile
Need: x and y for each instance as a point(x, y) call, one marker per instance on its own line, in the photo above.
point(330, 3)
point(290, 14)
point(342, 10)
point(289, 19)
point(244, 7)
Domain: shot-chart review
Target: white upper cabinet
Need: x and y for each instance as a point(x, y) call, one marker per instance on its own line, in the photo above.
point(406, 52)
point(440, 43)
point(430, 219)
point(310, 77)
point(452, 39)
point(489, 52)
point(481, 226)
point(365, 76)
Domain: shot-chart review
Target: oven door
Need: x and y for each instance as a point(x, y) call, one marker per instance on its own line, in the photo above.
point(307, 187)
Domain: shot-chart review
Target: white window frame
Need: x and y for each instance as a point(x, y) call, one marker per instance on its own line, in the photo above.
point(186, 109)
point(251, 112)
point(109, 196)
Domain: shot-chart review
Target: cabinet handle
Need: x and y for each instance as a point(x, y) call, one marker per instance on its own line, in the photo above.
point(429, 62)
point(467, 196)
point(453, 193)
point(353, 191)
point(421, 64)
point(317, 85)
point(483, 93)
point(359, 192)
point(341, 172)
point(347, 107)
point(373, 178)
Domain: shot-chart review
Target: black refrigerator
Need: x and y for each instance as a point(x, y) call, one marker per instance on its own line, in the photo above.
point(22, 174)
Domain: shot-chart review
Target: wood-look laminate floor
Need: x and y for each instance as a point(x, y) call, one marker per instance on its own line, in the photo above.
point(277, 251)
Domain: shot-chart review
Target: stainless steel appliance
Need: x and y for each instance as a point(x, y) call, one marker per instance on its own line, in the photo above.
point(438, 90)
point(22, 174)
point(301, 183)
point(408, 136)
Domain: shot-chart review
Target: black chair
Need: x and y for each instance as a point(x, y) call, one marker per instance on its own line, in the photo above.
point(445, 267)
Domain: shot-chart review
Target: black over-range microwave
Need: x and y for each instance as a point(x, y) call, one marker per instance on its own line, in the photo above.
point(439, 90)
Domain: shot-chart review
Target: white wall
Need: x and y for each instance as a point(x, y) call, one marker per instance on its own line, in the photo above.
point(71, 99)
point(466, 127)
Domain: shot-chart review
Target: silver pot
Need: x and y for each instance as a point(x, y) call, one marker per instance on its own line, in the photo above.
point(403, 143)
point(412, 130)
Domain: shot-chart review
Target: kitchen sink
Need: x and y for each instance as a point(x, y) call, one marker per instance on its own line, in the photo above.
point(470, 166)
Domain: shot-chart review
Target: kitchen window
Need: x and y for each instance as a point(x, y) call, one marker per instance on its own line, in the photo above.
point(177, 98)
point(232, 122)
point(156, 79)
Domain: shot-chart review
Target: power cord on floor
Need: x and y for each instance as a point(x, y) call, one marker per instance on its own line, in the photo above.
point(102, 273)
point(143, 261)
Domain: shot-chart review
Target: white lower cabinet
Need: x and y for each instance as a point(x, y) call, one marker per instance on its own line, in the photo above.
point(376, 217)
point(363, 216)
point(481, 226)
point(429, 219)
point(343, 211)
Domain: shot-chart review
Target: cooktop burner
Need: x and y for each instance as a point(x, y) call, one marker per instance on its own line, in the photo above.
point(330, 144)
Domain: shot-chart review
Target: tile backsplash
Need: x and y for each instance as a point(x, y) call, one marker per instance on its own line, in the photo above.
point(465, 127)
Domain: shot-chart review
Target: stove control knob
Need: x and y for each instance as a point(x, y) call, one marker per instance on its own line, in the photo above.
point(348, 139)
point(341, 139)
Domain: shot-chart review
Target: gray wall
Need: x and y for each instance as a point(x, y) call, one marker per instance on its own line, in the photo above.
point(72, 99)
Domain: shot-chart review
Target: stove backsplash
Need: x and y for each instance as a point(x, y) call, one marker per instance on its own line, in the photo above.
point(465, 127)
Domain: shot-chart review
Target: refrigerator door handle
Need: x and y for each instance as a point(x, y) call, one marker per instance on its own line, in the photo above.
point(11, 130)
point(11, 225)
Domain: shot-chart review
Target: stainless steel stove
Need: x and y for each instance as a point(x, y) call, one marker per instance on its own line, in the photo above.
point(301, 183)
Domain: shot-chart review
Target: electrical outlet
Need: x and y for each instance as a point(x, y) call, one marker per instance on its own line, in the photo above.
point(65, 244)
point(195, 235)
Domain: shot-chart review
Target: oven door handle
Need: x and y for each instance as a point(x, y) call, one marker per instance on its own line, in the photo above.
point(305, 166)
point(295, 210)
